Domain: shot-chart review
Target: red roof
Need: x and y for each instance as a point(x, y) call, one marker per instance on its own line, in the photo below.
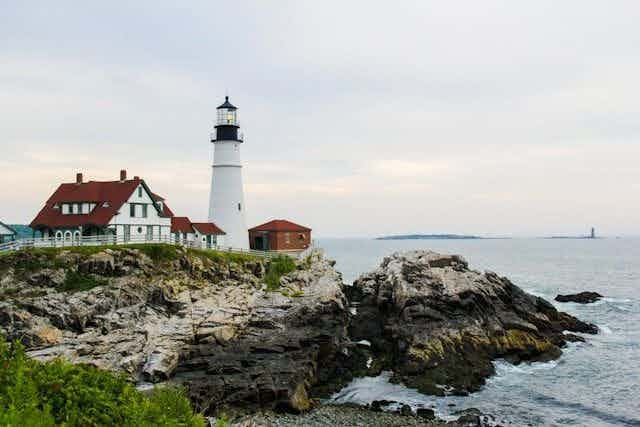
point(109, 196)
point(156, 197)
point(166, 211)
point(279, 225)
point(181, 224)
point(207, 228)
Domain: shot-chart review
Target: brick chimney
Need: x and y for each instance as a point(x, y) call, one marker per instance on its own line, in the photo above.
point(136, 178)
point(123, 175)
point(79, 178)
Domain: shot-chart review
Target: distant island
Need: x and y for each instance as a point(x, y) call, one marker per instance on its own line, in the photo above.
point(427, 237)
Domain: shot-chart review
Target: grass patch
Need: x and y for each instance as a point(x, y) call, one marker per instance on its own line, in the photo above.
point(278, 266)
point(76, 282)
point(221, 256)
point(46, 394)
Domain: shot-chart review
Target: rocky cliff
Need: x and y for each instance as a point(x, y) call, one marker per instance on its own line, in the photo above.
point(211, 322)
point(199, 318)
point(438, 325)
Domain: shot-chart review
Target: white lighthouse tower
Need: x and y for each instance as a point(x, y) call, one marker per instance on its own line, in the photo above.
point(226, 203)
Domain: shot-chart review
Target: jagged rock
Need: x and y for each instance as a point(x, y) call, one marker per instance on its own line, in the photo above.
point(406, 411)
point(48, 277)
point(192, 320)
point(102, 263)
point(426, 413)
point(436, 323)
point(581, 297)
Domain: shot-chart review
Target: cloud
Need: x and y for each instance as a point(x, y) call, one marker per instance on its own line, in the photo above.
point(494, 117)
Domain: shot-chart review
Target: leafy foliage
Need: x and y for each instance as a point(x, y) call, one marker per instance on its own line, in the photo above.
point(59, 393)
point(278, 266)
point(75, 282)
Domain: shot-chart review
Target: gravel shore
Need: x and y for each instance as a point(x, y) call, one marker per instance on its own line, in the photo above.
point(337, 416)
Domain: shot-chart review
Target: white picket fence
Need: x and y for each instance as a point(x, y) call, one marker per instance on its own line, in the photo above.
point(40, 242)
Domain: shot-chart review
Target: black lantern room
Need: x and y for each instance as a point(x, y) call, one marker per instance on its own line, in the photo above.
point(227, 122)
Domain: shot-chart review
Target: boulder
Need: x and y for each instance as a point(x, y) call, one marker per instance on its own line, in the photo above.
point(426, 413)
point(581, 297)
point(101, 263)
point(438, 324)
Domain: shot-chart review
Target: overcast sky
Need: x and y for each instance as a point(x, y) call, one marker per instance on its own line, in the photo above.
point(361, 118)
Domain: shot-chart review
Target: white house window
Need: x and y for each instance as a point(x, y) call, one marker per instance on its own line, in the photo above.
point(65, 208)
point(287, 238)
point(139, 230)
point(58, 235)
point(144, 211)
point(76, 236)
point(140, 191)
point(67, 236)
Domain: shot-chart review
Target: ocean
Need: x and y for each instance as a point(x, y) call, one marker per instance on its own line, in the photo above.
point(596, 383)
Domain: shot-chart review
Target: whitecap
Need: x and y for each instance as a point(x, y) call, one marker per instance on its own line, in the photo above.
point(605, 329)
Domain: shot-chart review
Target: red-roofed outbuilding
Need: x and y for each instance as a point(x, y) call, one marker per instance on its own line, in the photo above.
point(280, 235)
point(199, 234)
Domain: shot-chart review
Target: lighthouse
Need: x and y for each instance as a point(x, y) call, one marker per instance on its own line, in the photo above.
point(226, 202)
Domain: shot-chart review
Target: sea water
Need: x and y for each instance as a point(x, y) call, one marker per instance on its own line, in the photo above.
point(596, 383)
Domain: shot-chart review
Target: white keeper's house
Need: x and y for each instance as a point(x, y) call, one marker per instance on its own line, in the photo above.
point(125, 209)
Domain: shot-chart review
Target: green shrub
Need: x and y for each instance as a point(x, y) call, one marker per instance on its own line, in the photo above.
point(278, 266)
point(76, 282)
point(222, 420)
point(34, 393)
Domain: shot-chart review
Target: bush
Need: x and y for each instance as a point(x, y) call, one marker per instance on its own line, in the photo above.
point(34, 393)
point(278, 266)
point(75, 282)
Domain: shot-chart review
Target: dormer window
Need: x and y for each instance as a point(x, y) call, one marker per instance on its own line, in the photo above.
point(106, 205)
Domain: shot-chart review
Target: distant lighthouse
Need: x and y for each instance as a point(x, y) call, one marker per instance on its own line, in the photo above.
point(226, 202)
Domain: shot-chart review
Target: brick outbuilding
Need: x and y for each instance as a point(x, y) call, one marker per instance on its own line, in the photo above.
point(280, 235)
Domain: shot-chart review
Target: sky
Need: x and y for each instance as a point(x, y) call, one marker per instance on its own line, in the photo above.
point(361, 118)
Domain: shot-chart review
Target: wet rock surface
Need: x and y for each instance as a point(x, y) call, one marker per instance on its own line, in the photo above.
point(438, 325)
point(581, 297)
